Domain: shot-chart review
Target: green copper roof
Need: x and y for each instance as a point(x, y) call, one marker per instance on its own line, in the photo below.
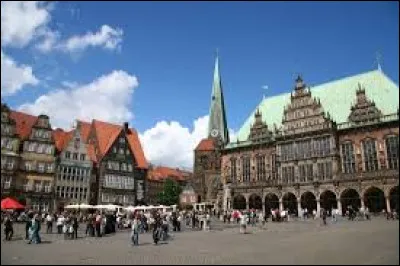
point(336, 98)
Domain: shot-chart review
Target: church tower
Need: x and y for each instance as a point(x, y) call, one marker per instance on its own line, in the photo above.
point(217, 126)
point(207, 155)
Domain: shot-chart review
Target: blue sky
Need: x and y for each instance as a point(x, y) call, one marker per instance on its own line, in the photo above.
point(169, 47)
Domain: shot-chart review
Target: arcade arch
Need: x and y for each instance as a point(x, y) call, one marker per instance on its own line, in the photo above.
point(394, 199)
point(271, 202)
point(289, 201)
point(255, 202)
point(239, 202)
point(350, 197)
point(374, 199)
point(328, 200)
point(308, 201)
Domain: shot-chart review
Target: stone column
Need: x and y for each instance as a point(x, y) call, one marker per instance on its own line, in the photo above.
point(362, 203)
point(247, 203)
point(299, 208)
point(339, 206)
point(280, 205)
point(318, 208)
point(388, 209)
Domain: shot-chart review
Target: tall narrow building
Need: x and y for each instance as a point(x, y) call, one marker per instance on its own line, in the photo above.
point(217, 126)
point(207, 155)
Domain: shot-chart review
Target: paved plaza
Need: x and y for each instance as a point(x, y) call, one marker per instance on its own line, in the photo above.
point(301, 242)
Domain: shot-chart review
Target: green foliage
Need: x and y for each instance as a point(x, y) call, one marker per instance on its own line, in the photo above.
point(170, 193)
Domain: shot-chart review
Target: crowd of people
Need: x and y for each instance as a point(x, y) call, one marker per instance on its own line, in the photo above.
point(157, 222)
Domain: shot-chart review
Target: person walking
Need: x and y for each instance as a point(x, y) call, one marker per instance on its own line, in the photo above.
point(75, 226)
point(8, 228)
point(135, 231)
point(49, 223)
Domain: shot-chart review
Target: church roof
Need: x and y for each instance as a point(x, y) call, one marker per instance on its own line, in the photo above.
point(205, 145)
point(336, 97)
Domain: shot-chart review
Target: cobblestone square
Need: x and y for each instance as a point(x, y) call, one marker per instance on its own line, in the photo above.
point(297, 242)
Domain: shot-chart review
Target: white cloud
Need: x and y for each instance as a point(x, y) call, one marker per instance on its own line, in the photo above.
point(21, 21)
point(48, 42)
point(107, 98)
point(171, 144)
point(107, 38)
point(14, 77)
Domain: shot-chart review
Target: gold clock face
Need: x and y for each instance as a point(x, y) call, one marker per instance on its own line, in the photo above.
point(214, 133)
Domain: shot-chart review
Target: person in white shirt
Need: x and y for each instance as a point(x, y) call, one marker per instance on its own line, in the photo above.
point(49, 222)
point(243, 223)
point(60, 223)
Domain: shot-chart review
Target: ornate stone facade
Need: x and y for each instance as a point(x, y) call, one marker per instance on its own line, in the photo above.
point(9, 152)
point(312, 162)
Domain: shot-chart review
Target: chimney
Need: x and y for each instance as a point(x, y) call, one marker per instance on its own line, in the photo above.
point(126, 126)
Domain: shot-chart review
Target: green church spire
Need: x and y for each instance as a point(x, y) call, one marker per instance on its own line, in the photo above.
point(217, 126)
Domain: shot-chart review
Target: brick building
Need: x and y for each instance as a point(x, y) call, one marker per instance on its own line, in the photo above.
point(327, 146)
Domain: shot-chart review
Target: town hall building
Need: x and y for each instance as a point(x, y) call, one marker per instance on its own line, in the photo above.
point(332, 145)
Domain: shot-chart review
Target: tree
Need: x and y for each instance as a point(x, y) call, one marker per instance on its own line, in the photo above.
point(170, 193)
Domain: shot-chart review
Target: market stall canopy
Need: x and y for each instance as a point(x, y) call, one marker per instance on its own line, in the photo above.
point(108, 207)
point(11, 204)
point(79, 206)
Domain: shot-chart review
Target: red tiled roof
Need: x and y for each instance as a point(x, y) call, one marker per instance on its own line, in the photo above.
point(85, 129)
point(137, 149)
point(91, 153)
point(61, 138)
point(24, 123)
point(106, 134)
point(161, 173)
point(205, 145)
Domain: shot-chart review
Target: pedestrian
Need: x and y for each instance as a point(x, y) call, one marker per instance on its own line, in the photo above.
point(28, 225)
point(98, 225)
point(8, 228)
point(135, 231)
point(75, 226)
point(49, 222)
point(324, 215)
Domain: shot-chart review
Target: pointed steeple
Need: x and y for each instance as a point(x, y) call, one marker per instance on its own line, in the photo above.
point(217, 125)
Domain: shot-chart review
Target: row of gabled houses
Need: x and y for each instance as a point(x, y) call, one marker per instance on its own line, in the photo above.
point(94, 163)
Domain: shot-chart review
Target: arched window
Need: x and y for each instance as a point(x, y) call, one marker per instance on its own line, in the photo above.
point(370, 156)
point(392, 151)
point(348, 159)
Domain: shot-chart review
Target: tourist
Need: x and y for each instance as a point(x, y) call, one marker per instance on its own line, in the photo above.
point(135, 231)
point(28, 225)
point(243, 223)
point(34, 230)
point(366, 214)
point(157, 229)
point(60, 223)
point(334, 215)
point(89, 225)
point(49, 222)
point(178, 222)
point(8, 228)
point(75, 225)
point(324, 215)
point(98, 225)
point(261, 219)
